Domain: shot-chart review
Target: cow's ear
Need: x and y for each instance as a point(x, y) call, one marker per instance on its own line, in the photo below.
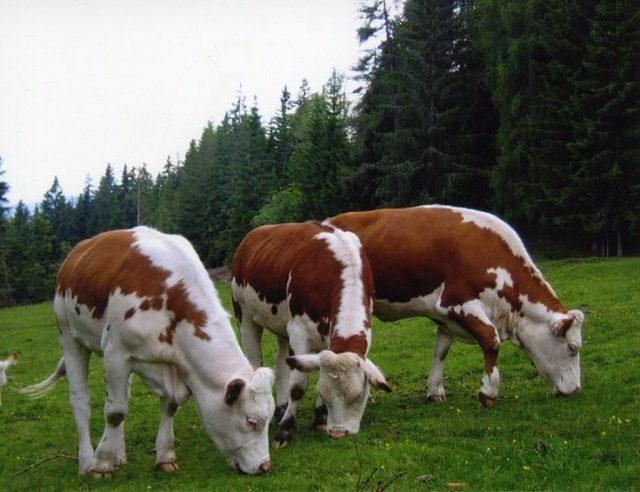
point(560, 328)
point(305, 362)
point(375, 377)
point(234, 388)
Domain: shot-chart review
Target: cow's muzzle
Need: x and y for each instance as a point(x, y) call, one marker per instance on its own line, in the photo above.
point(337, 433)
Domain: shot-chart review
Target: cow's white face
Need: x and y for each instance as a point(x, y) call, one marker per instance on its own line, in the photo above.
point(240, 423)
point(555, 350)
point(343, 384)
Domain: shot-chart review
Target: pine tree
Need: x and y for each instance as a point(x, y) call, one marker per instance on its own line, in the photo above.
point(106, 213)
point(5, 288)
point(607, 146)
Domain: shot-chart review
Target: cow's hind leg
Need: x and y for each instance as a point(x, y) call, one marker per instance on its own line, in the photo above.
point(435, 381)
point(76, 361)
point(165, 441)
point(111, 451)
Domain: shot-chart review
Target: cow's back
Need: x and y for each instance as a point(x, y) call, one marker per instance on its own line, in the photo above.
point(268, 255)
point(96, 267)
point(414, 251)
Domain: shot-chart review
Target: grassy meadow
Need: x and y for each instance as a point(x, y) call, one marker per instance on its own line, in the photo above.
point(530, 440)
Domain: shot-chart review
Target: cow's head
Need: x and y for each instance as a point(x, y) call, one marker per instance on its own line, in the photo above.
point(343, 384)
point(554, 348)
point(238, 421)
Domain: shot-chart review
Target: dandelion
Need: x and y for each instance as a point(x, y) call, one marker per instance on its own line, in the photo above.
point(526, 468)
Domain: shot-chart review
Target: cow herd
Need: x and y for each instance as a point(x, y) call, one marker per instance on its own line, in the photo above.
point(143, 301)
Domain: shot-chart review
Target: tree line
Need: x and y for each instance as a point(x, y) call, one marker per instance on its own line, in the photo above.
point(527, 108)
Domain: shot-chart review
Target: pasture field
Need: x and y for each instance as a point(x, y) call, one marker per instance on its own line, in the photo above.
point(530, 440)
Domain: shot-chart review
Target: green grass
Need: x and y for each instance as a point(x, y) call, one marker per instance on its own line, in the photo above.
point(529, 441)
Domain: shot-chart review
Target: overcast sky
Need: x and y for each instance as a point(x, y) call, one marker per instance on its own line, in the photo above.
point(90, 82)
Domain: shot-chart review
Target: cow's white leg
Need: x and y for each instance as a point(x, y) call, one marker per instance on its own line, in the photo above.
point(297, 385)
point(111, 451)
point(165, 441)
point(251, 334)
point(474, 319)
point(76, 361)
point(435, 386)
point(283, 373)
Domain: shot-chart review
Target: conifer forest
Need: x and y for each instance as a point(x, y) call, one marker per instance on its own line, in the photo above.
point(529, 109)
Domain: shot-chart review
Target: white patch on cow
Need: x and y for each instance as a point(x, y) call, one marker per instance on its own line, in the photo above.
point(503, 277)
point(417, 306)
point(261, 311)
point(352, 314)
point(304, 335)
point(179, 258)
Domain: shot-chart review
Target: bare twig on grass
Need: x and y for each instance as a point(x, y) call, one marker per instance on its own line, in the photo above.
point(382, 483)
point(45, 460)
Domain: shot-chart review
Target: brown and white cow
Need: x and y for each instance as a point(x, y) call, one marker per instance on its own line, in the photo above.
point(311, 285)
point(470, 273)
point(143, 301)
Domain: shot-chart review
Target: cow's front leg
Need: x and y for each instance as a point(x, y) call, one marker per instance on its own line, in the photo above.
point(320, 413)
point(111, 450)
point(283, 373)
point(435, 381)
point(165, 441)
point(297, 387)
point(479, 325)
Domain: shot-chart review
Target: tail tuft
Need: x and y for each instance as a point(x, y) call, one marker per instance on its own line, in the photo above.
point(45, 387)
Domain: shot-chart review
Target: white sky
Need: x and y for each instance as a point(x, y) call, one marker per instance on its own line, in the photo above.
point(84, 83)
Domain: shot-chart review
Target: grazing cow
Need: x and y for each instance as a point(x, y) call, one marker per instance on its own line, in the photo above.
point(311, 285)
point(469, 272)
point(144, 301)
point(4, 365)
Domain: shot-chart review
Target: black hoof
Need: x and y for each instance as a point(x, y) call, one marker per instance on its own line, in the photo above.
point(320, 417)
point(285, 432)
point(279, 413)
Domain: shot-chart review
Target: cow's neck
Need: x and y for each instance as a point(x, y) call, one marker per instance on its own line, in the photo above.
point(218, 360)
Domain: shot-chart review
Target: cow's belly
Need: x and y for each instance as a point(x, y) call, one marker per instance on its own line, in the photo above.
point(273, 317)
point(421, 306)
point(418, 306)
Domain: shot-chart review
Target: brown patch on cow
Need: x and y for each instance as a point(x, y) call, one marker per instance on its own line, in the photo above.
point(269, 254)
point(96, 267)
point(183, 310)
point(130, 312)
point(233, 391)
point(156, 303)
point(355, 343)
point(413, 251)
point(115, 418)
point(297, 392)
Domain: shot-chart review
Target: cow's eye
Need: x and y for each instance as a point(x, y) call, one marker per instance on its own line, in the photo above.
point(573, 350)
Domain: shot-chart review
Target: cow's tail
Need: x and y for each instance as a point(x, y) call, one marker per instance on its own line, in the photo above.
point(43, 388)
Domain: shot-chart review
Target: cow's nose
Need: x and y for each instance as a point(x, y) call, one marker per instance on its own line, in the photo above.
point(559, 392)
point(265, 466)
point(336, 433)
